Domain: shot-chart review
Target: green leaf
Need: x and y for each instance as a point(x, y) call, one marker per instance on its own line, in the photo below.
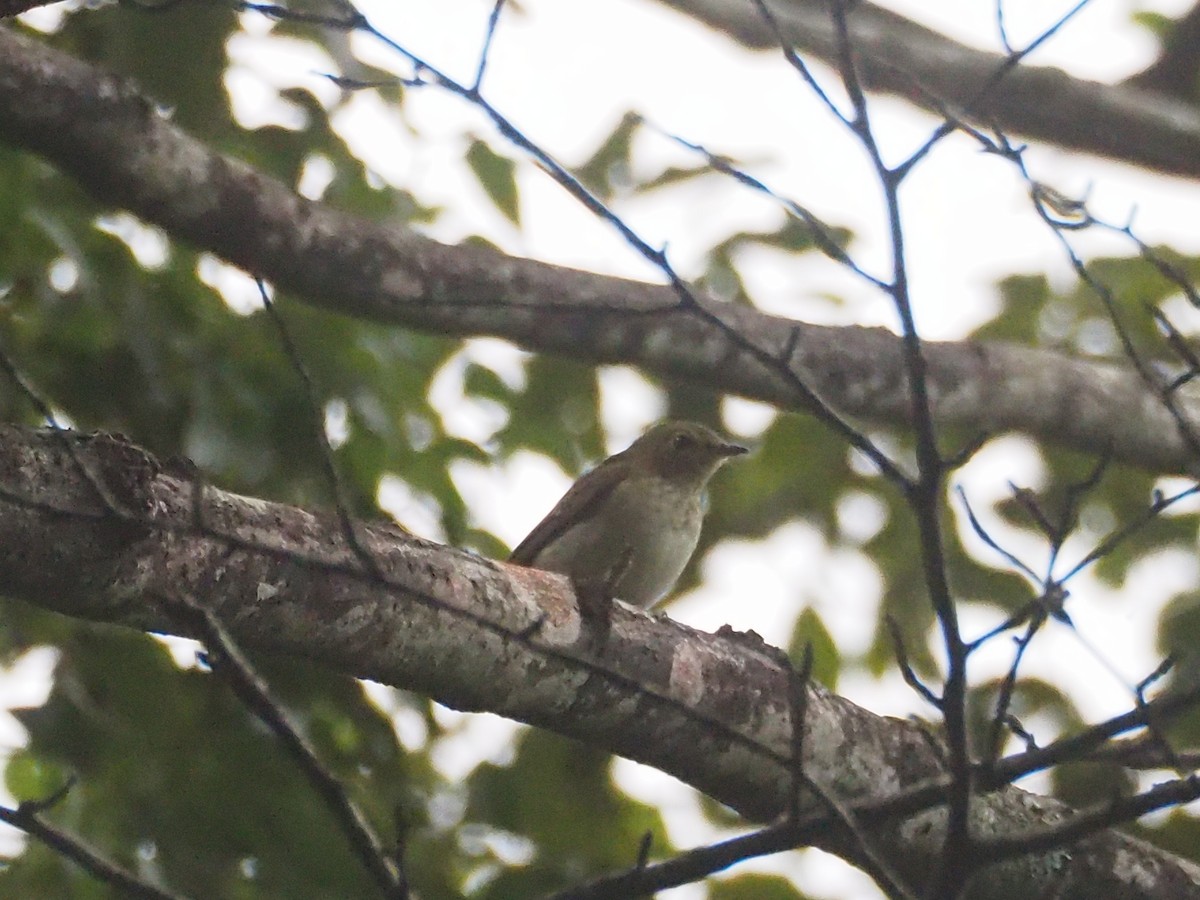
point(29, 778)
point(557, 413)
point(480, 381)
point(609, 168)
point(149, 47)
point(497, 176)
point(811, 631)
point(1156, 23)
point(754, 886)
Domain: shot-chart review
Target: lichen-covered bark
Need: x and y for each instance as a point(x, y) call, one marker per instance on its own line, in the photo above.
point(96, 528)
point(101, 131)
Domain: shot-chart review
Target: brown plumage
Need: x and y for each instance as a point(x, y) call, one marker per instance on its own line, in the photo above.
point(629, 526)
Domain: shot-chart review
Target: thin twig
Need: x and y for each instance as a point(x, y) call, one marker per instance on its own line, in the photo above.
point(493, 21)
point(906, 670)
point(1007, 686)
point(28, 817)
point(345, 520)
point(227, 660)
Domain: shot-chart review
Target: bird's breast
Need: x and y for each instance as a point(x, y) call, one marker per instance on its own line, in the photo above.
point(637, 542)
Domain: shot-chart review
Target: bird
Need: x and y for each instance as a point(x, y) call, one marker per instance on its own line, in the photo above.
point(627, 528)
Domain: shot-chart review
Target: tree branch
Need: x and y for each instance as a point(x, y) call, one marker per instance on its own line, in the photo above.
point(713, 710)
point(101, 131)
point(898, 56)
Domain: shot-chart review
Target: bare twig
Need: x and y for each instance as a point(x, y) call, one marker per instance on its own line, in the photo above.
point(906, 670)
point(925, 493)
point(28, 817)
point(1004, 696)
point(493, 21)
point(1081, 825)
point(345, 520)
point(227, 660)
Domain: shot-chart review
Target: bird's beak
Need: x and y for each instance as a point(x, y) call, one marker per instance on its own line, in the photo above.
point(732, 450)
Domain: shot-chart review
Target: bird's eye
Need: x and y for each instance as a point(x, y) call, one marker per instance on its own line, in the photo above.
point(682, 441)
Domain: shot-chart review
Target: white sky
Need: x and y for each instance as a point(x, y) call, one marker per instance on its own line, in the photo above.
point(564, 71)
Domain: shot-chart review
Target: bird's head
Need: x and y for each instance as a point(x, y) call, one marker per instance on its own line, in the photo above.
point(684, 452)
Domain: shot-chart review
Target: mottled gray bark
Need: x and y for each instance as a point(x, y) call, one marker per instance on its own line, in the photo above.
point(899, 56)
point(101, 131)
point(712, 710)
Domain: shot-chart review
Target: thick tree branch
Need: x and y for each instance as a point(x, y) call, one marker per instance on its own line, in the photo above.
point(102, 132)
point(900, 57)
point(712, 710)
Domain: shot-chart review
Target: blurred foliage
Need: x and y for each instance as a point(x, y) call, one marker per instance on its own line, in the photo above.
point(810, 632)
point(559, 795)
point(181, 787)
point(497, 176)
point(556, 413)
point(147, 45)
point(1088, 498)
point(1031, 697)
point(754, 887)
point(608, 172)
point(176, 781)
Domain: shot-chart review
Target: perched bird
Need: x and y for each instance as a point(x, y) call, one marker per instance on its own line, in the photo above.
point(628, 527)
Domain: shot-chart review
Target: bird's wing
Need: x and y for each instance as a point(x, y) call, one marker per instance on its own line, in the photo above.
point(577, 505)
